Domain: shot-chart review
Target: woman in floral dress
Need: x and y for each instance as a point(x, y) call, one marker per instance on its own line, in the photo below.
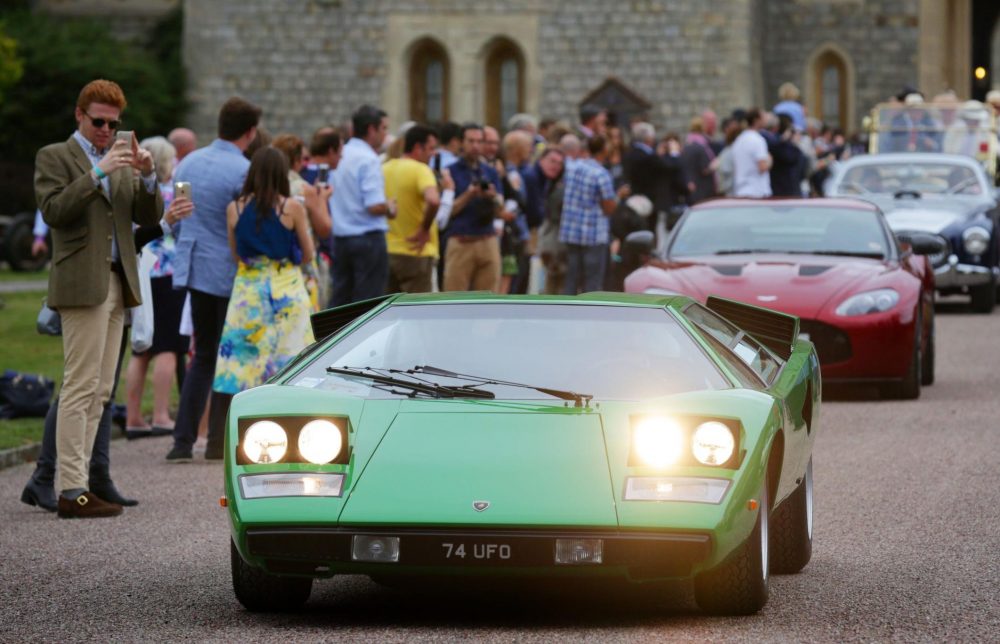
point(267, 322)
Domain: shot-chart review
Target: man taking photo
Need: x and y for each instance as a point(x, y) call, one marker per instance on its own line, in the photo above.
point(91, 189)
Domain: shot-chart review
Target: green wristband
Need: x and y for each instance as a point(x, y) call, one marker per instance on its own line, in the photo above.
point(100, 173)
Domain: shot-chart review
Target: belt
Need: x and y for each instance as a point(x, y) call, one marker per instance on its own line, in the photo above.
point(468, 239)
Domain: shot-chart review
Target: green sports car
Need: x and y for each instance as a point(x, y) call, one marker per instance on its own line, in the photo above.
point(640, 437)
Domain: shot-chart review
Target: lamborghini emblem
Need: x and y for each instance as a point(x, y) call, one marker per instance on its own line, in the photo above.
point(479, 506)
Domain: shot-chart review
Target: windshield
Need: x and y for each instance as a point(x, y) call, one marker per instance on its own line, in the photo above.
point(965, 129)
point(780, 229)
point(925, 178)
point(610, 352)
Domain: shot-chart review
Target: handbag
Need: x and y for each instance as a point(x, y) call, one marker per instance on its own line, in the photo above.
point(49, 322)
point(142, 315)
point(23, 394)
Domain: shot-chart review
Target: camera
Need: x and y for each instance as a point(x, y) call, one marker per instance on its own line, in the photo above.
point(484, 185)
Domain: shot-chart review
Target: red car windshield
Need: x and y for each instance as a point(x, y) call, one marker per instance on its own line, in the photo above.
point(780, 229)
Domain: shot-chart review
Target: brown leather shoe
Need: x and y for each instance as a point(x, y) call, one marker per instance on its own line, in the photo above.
point(87, 506)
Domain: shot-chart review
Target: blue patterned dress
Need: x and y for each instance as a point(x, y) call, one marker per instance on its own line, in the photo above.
point(267, 322)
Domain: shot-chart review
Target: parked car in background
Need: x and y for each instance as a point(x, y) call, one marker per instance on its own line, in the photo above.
point(16, 238)
point(864, 299)
point(945, 195)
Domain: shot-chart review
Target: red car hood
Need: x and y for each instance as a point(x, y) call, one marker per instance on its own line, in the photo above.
point(798, 284)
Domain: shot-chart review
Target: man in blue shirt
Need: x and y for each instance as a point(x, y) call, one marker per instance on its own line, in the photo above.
point(472, 257)
point(205, 267)
point(588, 201)
point(359, 210)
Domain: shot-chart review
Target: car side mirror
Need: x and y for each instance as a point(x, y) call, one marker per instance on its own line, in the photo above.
point(637, 249)
point(923, 243)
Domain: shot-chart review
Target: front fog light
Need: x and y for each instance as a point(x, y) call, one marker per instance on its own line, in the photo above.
point(259, 486)
point(675, 488)
point(573, 552)
point(265, 442)
point(713, 443)
point(378, 549)
point(658, 441)
point(320, 441)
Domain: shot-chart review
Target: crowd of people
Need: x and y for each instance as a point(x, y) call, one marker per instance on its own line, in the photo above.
point(252, 233)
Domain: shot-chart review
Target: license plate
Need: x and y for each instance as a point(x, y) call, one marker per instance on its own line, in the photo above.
point(471, 552)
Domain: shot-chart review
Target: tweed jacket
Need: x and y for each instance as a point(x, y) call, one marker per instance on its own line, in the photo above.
point(82, 219)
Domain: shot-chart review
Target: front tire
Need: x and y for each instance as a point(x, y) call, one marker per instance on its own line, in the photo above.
point(927, 364)
point(259, 591)
point(792, 529)
point(909, 388)
point(739, 585)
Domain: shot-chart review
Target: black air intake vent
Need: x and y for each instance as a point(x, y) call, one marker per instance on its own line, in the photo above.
point(777, 331)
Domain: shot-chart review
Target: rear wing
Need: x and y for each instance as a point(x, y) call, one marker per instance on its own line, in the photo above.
point(777, 331)
point(326, 323)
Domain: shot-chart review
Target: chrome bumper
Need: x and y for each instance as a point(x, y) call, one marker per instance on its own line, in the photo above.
point(953, 274)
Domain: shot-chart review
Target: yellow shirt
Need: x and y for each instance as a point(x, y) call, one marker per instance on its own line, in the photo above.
point(405, 181)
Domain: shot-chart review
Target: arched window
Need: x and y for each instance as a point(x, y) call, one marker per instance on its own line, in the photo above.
point(831, 81)
point(504, 82)
point(429, 82)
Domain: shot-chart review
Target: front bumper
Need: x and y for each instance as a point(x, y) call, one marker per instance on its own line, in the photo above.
point(319, 552)
point(875, 347)
point(954, 274)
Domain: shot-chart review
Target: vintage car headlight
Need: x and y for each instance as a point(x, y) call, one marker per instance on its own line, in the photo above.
point(658, 441)
point(713, 443)
point(877, 301)
point(277, 484)
point(265, 442)
point(976, 240)
point(320, 441)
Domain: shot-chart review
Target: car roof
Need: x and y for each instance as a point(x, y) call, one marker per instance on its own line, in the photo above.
point(729, 202)
point(597, 298)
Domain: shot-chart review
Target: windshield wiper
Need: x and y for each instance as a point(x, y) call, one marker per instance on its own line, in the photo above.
point(580, 400)
point(849, 253)
point(415, 386)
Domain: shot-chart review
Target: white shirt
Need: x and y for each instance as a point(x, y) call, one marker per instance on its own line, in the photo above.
point(748, 181)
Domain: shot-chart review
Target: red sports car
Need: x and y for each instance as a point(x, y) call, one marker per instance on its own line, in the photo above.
point(864, 297)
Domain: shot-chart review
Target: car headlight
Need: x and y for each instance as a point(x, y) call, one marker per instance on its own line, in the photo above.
point(658, 441)
point(320, 441)
point(265, 442)
point(976, 240)
point(713, 443)
point(877, 301)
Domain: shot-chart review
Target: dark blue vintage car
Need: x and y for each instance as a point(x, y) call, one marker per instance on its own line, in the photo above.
point(942, 194)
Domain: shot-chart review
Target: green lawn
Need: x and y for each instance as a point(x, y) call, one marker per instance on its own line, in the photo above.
point(7, 275)
point(26, 351)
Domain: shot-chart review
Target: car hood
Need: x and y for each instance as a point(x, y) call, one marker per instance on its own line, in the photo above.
point(925, 220)
point(532, 468)
point(801, 285)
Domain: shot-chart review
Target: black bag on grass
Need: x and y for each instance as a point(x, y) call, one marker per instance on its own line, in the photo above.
point(23, 394)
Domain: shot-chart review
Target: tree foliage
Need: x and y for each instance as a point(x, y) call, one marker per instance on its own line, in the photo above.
point(11, 65)
point(61, 55)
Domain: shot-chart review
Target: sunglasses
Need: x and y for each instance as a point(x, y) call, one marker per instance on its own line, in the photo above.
point(99, 123)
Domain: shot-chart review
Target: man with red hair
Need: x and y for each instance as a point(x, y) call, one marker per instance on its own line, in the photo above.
point(91, 189)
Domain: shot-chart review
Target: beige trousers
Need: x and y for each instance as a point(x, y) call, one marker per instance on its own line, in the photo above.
point(472, 265)
point(91, 340)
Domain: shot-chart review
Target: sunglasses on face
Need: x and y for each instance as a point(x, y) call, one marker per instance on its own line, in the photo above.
point(99, 123)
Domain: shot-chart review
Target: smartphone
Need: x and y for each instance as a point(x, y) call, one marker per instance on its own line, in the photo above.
point(323, 176)
point(182, 189)
point(125, 135)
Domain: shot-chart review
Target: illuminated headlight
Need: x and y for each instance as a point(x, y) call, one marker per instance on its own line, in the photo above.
point(320, 441)
point(675, 488)
point(713, 443)
point(877, 301)
point(658, 441)
point(259, 486)
point(265, 442)
point(976, 240)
